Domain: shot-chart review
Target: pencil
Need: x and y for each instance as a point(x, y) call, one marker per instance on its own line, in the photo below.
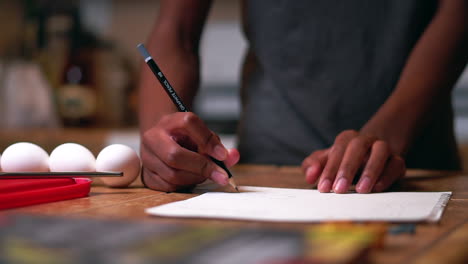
point(176, 100)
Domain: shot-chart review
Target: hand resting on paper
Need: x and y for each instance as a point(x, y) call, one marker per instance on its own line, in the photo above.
point(175, 153)
point(335, 168)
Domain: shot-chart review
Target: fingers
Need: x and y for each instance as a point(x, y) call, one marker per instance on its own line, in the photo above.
point(177, 157)
point(153, 181)
point(335, 168)
point(394, 170)
point(335, 157)
point(232, 157)
point(207, 142)
point(181, 166)
point(169, 174)
point(313, 165)
point(175, 152)
point(352, 161)
point(374, 167)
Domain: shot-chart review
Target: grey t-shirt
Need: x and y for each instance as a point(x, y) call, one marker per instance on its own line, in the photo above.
point(318, 67)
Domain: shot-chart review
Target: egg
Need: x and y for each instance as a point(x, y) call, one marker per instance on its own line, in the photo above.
point(71, 157)
point(118, 158)
point(24, 157)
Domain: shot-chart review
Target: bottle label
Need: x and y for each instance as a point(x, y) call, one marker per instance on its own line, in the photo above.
point(76, 101)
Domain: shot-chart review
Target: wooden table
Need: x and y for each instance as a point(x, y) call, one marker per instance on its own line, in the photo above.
point(445, 242)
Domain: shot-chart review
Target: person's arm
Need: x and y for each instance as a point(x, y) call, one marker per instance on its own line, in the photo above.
point(174, 44)
point(175, 146)
point(431, 70)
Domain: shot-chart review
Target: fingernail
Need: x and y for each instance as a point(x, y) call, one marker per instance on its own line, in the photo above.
point(219, 177)
point(341, 185)
point(325, 186)
point(364, 185)
point(220, 152)
point(339, 175)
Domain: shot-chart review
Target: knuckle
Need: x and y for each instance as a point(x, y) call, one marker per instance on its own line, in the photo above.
point(172, 157)
point(165, 119)
point(148, 159)
point(151, 138)
point(336, 150)
point(357, 142)
point(210, 139)
point(345, 135)
point(213, 137)
point(350, 133)
point(205, 168)
point(315, 154)
point(340, 137)
point(190, 119)
point(382, 146)
point(147, 136)
point(172, 176)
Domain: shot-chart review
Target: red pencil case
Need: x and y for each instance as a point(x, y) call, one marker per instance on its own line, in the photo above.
point(22, 192)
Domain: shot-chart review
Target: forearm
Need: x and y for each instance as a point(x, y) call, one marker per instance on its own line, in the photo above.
point(182, 71)
point(428, 76)
point(174, 45)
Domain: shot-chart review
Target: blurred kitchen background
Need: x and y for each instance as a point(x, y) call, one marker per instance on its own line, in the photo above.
point(73, 64)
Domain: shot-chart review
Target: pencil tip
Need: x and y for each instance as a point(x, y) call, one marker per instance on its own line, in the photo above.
point(233, 184)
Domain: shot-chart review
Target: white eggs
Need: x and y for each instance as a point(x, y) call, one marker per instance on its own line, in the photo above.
point(116, 158)
point(24, 157)
point(71, 157)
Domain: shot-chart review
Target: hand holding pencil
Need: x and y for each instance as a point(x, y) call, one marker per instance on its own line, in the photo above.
point(179, 151)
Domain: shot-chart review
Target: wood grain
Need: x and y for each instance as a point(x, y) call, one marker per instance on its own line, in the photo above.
point(445, 242)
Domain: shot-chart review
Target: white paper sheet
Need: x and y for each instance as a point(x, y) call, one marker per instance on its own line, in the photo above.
point(299, 205)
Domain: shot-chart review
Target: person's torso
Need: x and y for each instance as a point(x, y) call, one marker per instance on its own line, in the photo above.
point(318, 67)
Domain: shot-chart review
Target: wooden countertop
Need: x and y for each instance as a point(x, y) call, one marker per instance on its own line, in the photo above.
point(445, 242)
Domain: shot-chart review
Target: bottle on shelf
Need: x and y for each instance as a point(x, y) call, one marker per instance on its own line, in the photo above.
point(77, 96)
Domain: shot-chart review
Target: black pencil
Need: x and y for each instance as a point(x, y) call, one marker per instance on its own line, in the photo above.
point(176, 100)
